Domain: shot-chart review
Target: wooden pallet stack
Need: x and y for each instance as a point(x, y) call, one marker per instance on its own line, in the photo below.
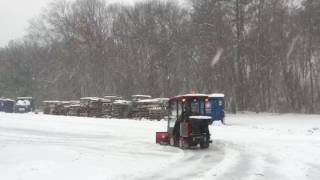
point(120, 109)
point(153, 108)
point(158, 109)
point(139, 107)
point(90, 106)
point(107, 105)
point(145, 107)
point(50, 106)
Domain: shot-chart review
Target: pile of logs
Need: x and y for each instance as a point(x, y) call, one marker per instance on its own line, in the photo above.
point(140, 106)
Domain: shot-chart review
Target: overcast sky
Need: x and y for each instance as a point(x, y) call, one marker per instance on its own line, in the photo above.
point(15, 14)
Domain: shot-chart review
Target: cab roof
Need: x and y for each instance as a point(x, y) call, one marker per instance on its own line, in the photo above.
point(19, 98)
point(189, 96)
point(140, 95)
point(216, 95)
point(122, 102)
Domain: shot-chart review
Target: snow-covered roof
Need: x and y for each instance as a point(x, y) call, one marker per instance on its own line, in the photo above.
point(74, 105)
point(90, 98)
point(163, 99)
point(192, 95)
point(122, 102)
point(106, 100)
point(216, 95)
point(195, 94)
point(65, 102)
point(74, 101)
point(51, 101)
point(24, 98)
point(155, 100)
point(139, 95)
point(112, 97)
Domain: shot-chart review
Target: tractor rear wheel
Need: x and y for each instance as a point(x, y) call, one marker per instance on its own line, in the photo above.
point(204, 145)
point(172, 143)
point(183, 143)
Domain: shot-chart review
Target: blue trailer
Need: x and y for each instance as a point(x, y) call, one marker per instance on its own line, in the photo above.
point(215, 107)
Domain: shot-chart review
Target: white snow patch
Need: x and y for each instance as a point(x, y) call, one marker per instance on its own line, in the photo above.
point(250, 146)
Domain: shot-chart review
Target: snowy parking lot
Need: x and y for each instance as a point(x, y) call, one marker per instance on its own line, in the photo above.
point(250, 146)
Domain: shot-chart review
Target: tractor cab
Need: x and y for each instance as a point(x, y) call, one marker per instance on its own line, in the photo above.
point(215, 107)
point(187, 122)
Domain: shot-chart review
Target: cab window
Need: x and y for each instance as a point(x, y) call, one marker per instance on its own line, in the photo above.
point(173, 113)
point(208, 107)
point(198, 107)
point(202, 107)
point(179, 108)
point(195, 107)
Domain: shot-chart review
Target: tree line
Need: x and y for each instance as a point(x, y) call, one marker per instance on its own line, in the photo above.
point(263, 54)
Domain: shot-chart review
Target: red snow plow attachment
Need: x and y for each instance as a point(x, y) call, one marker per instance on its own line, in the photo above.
point(162, 138)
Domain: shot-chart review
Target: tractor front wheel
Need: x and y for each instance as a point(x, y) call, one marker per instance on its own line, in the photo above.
point(182, 143)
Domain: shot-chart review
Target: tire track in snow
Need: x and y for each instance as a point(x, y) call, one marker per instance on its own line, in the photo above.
point(95, 143)
point(250, 163)
point(223, 161)
point(193, 164)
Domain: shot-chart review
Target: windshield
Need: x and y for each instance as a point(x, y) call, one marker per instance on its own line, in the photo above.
point(197, 106)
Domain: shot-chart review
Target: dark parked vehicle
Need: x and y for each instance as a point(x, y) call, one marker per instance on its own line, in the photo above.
point(8, 105)
point(24, 104)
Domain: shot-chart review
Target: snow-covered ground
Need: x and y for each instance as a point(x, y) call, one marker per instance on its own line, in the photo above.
point(250, 146)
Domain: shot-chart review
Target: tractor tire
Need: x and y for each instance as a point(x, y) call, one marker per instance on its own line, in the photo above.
point(171, 142)
point(182, 143)
point(204, 145)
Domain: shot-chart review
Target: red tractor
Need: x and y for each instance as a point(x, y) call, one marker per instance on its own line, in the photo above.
point(188, 123)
